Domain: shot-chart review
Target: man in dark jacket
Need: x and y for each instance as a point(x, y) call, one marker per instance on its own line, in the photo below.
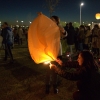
point(7, 40)
point(70, 37)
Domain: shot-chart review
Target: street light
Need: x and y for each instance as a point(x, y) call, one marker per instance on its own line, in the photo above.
point(80, 11)
point(17, 22)
point(22, 23)
point(30, 22)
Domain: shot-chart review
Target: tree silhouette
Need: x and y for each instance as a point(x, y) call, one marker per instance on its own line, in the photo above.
point(51, 5)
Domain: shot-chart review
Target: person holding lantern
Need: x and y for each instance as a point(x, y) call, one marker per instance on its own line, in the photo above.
point(63, 33)
point(86, 74)
point(51, 75)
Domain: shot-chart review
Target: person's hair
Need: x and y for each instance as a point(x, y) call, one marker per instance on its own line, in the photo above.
point(88, 60)
point(70, 23)
point(56, 18)
point(6, 23)
point(96, 26)
point(88, 27)
point(82, 26)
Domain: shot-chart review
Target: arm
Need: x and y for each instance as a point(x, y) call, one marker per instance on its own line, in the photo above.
point(70, 64)
point(76, 75)
point(88, 34)
point(63, 33)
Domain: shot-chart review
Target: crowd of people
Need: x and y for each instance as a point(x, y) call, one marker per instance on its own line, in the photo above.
point(84, 39)
point(10, 36)
point(81, 38)
point(18, 33)
point(86, 68)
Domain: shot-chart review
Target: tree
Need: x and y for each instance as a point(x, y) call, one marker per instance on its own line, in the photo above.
point(51, 5)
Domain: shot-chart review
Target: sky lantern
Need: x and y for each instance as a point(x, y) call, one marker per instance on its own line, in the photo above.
point(43, 39)
point(97, 16)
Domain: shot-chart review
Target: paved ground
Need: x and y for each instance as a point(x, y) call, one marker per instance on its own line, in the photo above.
point(25, 80)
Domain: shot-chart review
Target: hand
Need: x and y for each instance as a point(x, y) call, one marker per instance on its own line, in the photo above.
point(52, 66)
point(59, 61)
point(62, 29)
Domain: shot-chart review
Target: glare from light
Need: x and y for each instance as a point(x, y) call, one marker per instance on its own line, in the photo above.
point(67, 55)
point(47, 62)
point(82, 4)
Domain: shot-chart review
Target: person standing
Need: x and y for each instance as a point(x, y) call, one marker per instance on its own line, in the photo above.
point(76, 39)
point(96, 40)
point(87, 36)
point(81, 37)
point(7, 35)
point(20, 36)
point(51, 76)
point(71, 37)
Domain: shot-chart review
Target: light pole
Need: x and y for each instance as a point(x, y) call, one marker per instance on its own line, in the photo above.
point(80, 11)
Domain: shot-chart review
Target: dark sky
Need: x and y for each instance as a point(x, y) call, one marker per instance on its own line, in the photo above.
point(67, 10)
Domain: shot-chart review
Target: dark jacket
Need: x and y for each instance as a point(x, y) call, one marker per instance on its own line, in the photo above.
point(7, 35)
point(81, 36)
point(88, 82)
point(71, 36)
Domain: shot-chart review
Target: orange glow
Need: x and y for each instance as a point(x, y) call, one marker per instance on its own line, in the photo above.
point(43, 39)
point(47, 62)
point(97, 16)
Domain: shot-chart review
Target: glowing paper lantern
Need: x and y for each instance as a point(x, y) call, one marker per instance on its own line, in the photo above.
point(43, 39)
point(97, 16)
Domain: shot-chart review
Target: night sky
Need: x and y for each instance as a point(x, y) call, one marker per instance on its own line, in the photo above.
point(67, 10)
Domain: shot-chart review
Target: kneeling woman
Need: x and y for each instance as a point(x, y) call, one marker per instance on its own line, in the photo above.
point(86, 74)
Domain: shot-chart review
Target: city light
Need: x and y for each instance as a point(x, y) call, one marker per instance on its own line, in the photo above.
point(22, 22)
point(0, 23)
point(30, 22)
